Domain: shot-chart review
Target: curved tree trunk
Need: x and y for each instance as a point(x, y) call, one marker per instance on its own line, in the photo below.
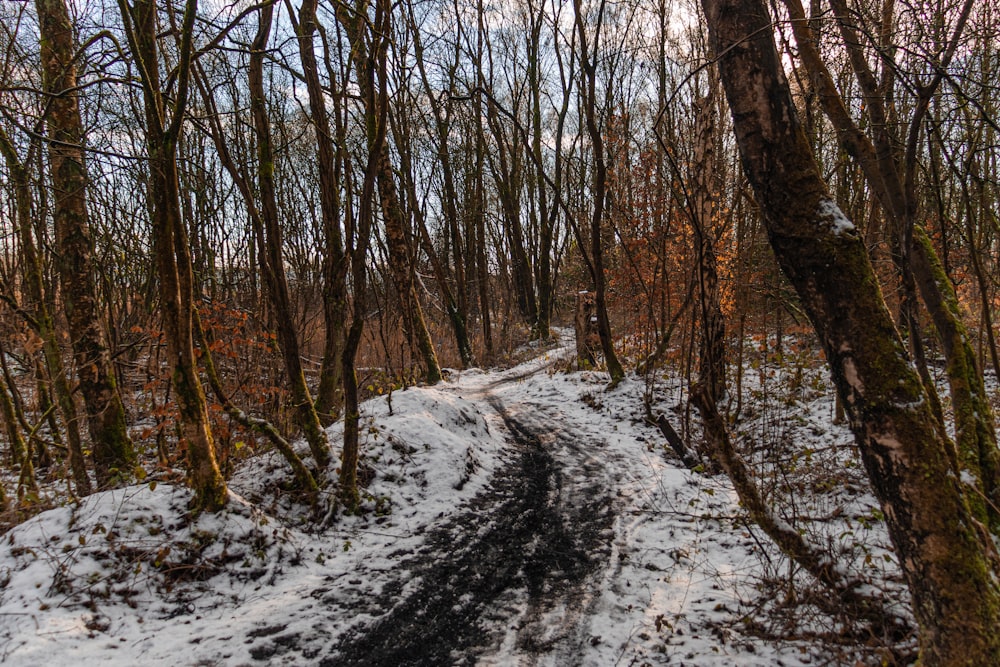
point(305, 478)
point(955, 593)
point(975, 433)
point(329, 395)
point(170, 248)
point(972, 413)
point(272, 263)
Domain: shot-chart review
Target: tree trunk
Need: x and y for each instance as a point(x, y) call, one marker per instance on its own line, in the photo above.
point(897, 197)
point(48, 411)
point(972, 413)
point(329, 396)
point(20, 452)
point(272, 262)
point(45, 324)
point(479, 194)
point(113, 454)
point(588, 339)
point(371, 70)
point(712, 347)
point(455, 299)
point(400, 261)
point(170, 248)
point(306, 480)
point(955, 594)
point(600, 187)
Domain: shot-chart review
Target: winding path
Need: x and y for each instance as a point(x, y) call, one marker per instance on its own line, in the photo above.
point(510, 576)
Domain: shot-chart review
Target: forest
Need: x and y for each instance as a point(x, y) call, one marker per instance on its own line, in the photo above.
point(243, 241)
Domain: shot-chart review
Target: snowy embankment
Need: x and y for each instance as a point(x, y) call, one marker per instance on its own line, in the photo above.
point(124, 578)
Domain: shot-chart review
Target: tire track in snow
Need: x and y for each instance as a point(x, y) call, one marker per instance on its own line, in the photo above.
point(510, 574)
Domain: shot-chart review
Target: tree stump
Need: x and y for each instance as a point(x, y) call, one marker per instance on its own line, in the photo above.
point(588, 340)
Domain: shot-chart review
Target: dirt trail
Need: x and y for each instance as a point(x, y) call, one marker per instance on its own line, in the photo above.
point(509, 576)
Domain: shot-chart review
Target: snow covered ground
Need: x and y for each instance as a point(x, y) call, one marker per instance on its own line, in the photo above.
point(672, 575)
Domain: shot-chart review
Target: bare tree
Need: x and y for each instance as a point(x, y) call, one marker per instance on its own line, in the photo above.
point(893, 179)
point(329, 396)
point(941, 551)
point(400, 253)
point(113, 454)
point(271, 259)
point(41, 319)
point(171, 249)
point(588, 91)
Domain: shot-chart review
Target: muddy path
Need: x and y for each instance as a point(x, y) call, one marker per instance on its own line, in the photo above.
point(509, 577)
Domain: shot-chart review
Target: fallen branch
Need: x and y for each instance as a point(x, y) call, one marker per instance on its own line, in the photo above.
point(688, 458)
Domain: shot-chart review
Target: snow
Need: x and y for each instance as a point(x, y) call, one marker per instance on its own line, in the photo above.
point(831, 215)
point(125, 578)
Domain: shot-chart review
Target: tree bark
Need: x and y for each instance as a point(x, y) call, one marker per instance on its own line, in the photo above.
point(170, 247)
point(456, 301)
point(712, 346)
point(329, 395)
point(113, 454)
point(975, 433)
point(972, 413)
point(955, 594)
point(588, 68)
point(271, 259)
point(479, 193)
point(400, 261)
point(20, 452)
point(43, 320)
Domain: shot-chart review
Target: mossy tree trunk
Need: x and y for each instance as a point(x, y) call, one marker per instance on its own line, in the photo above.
point(113, 454)
point(170, 247)
point(43, 452)
point(972, 413)
point(43, 322)
point(975, 431)
point(20, 451)
point(329, 394)
point(271, 259)
point(954, 590)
